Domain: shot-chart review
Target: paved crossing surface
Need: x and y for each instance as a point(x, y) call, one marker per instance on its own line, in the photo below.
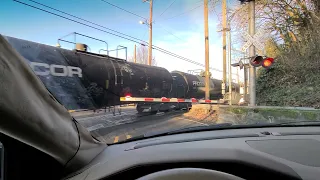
point(112, 128)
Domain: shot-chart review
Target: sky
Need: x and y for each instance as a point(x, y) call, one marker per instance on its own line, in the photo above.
point(181, 34)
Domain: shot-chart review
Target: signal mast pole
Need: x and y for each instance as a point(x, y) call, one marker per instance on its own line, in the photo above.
point(252, 52)
point(224, 44)
point(245, 83)
point(230, 69)
point(206, 40)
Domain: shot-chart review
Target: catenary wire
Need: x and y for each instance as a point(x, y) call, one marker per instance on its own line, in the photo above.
point(132, 38)
point(123, 9)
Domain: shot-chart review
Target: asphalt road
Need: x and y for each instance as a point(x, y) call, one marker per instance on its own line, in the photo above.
point(101, 119)
point(147, 125)
point(112, 128)
point(126, 123)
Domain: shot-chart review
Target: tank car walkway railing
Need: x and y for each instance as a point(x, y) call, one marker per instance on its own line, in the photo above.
point(75, 40)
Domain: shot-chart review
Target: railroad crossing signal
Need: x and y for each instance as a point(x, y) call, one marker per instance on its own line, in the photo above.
point(255, 61)
point(265, 62)
point(240, 64)
point(253, 40)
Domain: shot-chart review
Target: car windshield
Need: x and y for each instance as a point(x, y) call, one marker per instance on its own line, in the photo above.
point(126, 69)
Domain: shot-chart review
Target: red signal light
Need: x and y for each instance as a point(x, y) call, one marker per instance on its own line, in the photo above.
point(267, 62)
point(256, 61)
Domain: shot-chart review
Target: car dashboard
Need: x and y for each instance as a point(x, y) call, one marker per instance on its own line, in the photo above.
point(250, 153)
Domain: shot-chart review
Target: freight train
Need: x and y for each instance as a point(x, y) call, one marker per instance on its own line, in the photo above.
point(83, 80)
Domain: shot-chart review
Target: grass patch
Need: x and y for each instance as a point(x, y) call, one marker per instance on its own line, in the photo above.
point(265, 112)
point(310, 115)
point(287, 113)
point(278, 114)
point(238, 110)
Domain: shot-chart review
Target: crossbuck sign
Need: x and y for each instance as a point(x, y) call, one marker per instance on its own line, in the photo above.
point(255, 40)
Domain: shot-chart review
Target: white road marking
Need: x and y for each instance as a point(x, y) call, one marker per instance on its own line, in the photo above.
point(193, 121)
point(95, 127)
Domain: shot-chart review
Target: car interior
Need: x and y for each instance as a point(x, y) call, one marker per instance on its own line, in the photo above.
point(250, 153)
point(41, 140)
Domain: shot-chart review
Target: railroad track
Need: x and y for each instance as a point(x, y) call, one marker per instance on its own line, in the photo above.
point(117, 130)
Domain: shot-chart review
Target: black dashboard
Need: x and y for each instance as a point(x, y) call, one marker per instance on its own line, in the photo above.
point(251, 153)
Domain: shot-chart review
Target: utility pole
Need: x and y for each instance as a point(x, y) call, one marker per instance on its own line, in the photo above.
point(230, 75)
point(150, 35)
point(252, 70)
point(224, 43)
point(245, 83)
point(206, 40)
point(135, 54)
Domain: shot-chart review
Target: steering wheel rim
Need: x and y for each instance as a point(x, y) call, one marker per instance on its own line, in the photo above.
point(189, 173)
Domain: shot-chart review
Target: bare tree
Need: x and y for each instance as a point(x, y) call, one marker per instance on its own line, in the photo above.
point(285, 19)
point(142, 56)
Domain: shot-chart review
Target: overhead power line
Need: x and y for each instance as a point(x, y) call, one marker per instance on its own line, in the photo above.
point(71, 16)
point(170, 32)
point(130, 38)
point(145, 18)
point(166, 8)
point(185, 12)
point(75, 21)
point(213, 8)
point(123, 9)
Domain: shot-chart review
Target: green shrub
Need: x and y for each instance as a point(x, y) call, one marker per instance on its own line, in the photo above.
point(294, 79)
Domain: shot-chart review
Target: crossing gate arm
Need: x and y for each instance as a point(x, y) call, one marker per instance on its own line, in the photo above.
point(164, 100)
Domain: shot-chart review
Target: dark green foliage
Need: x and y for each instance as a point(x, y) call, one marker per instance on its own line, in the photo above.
point(294, 79)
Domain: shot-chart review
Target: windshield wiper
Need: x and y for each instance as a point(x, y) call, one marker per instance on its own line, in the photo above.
point(299, 123)
point(201, 128)
point(222, 126)
point(178, 131)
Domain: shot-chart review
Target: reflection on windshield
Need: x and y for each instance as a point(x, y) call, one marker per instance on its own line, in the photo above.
point(118, 98)
point(1, 161)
